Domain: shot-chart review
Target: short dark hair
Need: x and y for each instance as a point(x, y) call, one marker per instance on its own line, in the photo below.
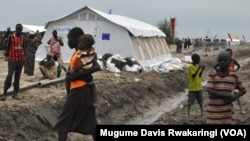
point(19, 26)
point(76, 32)
point(195, 57)
point(55, 58)
point(54, 31)
point(223, 54)
point(87, 40)
point(229, 49)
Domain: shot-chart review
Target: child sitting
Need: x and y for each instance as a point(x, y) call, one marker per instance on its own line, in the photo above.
point(48, 67)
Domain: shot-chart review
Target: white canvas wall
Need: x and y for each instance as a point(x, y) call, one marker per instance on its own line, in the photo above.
point(62, 27)
point(147, 49)
point(119, 42)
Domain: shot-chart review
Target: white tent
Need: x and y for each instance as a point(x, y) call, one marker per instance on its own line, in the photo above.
point(31, 28)
point(113, 34)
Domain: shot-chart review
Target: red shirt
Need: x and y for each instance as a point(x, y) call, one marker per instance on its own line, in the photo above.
point(16, 51)
point(231, 65)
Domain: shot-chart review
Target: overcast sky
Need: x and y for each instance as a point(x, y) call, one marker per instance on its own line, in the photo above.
point(194, 17)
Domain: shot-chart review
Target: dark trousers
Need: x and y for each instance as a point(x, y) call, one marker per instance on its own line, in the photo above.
point(14, 68)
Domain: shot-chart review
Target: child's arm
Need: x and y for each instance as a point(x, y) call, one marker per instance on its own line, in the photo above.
point(237, 65)
point(59, 39)
point(197, 70)
point(220, 94)
point(75, 75)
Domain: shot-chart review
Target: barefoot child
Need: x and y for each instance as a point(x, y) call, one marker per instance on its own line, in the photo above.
point(233, 63)
point(220, 87)
point(195, 71)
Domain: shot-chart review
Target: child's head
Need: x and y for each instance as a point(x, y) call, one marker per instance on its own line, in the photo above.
point(49, 55)
point(230, 51)
point(73, 36)
point(195, 58)
point(85, 41)
point(223, 60)
point(55, 58)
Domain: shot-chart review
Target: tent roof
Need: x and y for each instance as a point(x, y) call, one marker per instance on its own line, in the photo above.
point(33, 28)
point(136, 27)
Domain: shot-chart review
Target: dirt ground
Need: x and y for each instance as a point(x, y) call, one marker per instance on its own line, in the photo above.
point(124, 98)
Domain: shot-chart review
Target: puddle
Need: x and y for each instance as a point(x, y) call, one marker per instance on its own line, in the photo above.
point(156, 112)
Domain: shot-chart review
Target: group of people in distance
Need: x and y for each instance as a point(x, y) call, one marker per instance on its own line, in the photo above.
point(223, 87)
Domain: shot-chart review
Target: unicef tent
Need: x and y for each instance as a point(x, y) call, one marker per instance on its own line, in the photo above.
point(113, 34)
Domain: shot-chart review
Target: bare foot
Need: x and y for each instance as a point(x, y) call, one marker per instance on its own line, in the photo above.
point(95, 105)
point(243, 112)
point(64, 97)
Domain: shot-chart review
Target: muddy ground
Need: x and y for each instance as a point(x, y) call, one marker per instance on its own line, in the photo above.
point(125, 98)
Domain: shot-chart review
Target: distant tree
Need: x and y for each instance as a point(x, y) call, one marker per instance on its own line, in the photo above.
point(165, 27)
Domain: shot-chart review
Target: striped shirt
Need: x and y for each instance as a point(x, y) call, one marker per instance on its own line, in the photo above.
point(219, 112)
point(16, 50)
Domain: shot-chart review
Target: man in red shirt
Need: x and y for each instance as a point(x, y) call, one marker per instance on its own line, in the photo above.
point(15, 54)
